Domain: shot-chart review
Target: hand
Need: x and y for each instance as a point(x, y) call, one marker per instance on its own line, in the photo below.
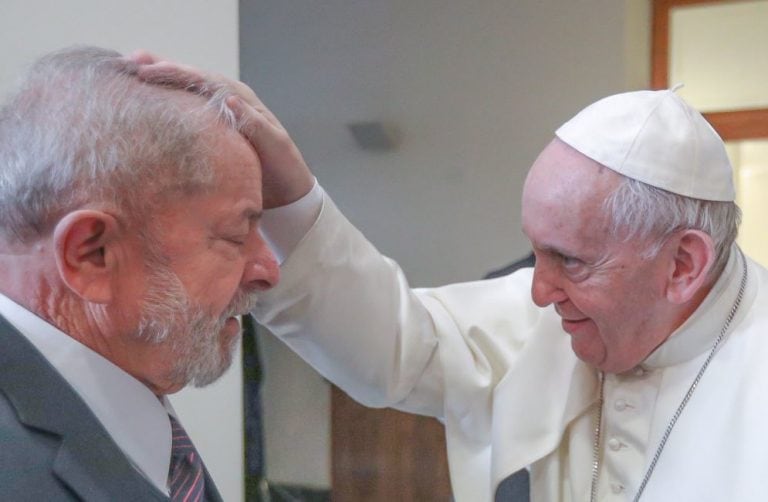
point(285, 175)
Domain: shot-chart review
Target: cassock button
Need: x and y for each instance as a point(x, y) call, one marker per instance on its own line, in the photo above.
point(620, 405)
point(617, 488)
point(614, 444)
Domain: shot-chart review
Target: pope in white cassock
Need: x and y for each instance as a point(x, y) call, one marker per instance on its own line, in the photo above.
point(630, 364)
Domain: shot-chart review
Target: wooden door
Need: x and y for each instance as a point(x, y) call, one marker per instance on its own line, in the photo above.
point(386, 455)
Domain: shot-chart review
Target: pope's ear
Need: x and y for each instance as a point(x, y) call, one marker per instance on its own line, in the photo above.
point(693, 256)
point(84, 243)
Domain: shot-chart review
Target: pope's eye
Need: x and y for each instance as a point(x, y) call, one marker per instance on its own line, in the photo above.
point(567, 261)
point(570, 261)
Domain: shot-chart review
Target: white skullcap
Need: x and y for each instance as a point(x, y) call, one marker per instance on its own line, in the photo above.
point(657, 138)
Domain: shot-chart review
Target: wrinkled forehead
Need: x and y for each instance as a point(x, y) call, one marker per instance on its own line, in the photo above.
point(564, 197)
point(562, 174)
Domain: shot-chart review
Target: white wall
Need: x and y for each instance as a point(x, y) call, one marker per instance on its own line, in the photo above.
point(476, 90)
point(198, 32)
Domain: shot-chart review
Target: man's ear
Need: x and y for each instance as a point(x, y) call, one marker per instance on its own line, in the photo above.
point(693, 256)
point(83, 242)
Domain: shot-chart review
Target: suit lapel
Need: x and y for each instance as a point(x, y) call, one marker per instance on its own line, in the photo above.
point(88, 460)
point(211, 492)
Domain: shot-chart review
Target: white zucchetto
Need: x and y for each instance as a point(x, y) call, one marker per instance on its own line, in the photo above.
point(657, 138)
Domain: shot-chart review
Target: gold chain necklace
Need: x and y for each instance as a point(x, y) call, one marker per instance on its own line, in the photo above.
point(680, 408)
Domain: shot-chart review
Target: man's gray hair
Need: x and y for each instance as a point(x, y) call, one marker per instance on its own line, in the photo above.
point(640, 211)
point(82, 129)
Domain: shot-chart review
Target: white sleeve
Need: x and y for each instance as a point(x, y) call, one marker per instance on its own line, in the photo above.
point(350, 312)
point(283, 227)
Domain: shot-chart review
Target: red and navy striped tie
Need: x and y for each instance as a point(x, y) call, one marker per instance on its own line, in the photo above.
point(186, 475)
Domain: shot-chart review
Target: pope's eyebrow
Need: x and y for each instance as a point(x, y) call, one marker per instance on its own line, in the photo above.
point(557, 250)
point(551, 249)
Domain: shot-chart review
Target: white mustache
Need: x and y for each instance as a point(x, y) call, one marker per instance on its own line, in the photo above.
point(240, 305)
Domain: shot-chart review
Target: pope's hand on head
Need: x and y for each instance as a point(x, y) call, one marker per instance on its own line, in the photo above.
point(285, 175)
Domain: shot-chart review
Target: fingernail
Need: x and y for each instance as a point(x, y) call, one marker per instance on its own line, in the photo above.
point(235, 103)
point(140, 56)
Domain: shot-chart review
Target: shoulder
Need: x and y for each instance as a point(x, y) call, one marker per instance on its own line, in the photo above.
point(26, 459)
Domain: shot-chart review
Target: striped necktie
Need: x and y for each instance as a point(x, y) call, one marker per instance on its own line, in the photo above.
point(186, 475)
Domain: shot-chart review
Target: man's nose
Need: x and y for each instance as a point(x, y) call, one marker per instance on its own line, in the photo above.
point(262, 271)
point(546, 287)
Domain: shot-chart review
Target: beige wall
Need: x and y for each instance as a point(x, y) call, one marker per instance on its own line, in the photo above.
point(199, 32)
point(750, 161)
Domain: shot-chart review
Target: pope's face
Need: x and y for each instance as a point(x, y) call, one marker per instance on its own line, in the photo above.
point(611, 299)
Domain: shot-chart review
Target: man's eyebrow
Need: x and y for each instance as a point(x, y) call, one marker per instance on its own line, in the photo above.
point(250, 215)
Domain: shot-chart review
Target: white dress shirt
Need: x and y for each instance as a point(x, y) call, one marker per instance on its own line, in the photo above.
point(135, 418)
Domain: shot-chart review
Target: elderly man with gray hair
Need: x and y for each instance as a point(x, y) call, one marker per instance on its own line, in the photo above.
point(128, 246)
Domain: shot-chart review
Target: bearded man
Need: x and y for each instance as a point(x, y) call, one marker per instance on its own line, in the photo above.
point(128, 246)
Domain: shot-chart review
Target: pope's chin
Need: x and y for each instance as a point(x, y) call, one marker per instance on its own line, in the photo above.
point(585, 341)
point(576, 327)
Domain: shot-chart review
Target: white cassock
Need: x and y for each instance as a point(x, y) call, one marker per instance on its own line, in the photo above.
point(499, 372)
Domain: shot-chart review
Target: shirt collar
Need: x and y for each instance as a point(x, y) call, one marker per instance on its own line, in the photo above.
point(132, 415)
point(698, 333)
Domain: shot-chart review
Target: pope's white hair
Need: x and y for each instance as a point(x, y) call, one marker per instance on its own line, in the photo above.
point(640, 211)
point(82, 129)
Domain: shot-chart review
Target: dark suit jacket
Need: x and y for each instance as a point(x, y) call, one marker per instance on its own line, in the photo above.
point(52, 447)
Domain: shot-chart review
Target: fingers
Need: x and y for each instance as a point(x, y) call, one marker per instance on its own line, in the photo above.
point(258, 125)
point(245, 93)
point(285, 175)
point(248, 108)
point(156, 70)
point(245, 108)
point(178, 76)
point(142, 57)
